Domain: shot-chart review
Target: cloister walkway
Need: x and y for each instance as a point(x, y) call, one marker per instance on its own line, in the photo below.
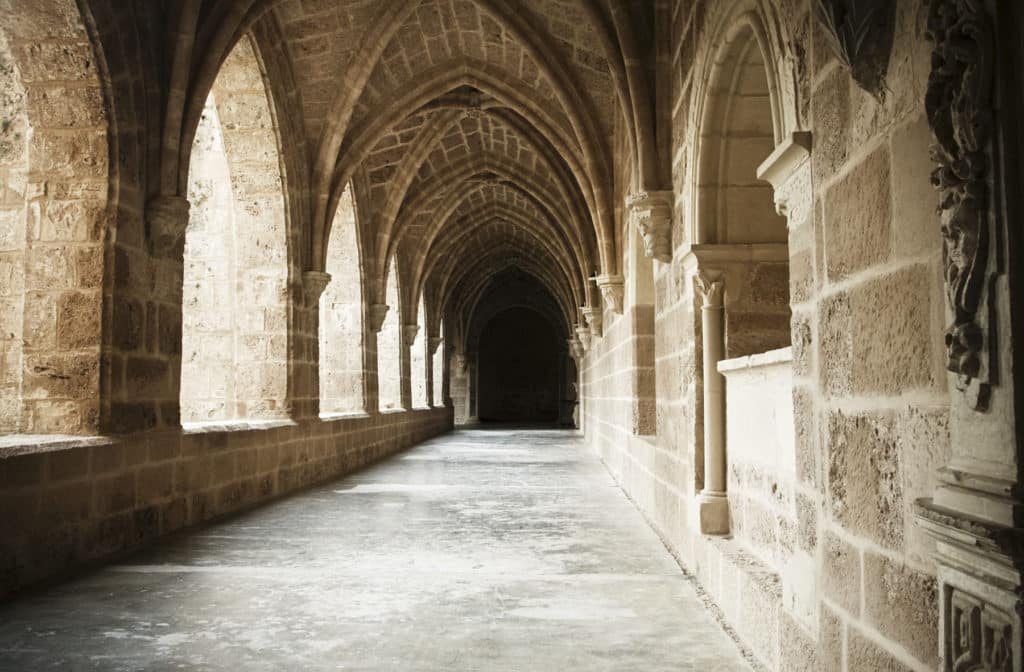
point(480, 550)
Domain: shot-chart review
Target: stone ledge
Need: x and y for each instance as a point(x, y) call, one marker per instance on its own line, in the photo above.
point(234, 426)
point(762, 359)
point(14, 445)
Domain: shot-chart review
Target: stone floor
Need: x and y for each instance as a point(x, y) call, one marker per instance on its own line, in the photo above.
point(480, 550)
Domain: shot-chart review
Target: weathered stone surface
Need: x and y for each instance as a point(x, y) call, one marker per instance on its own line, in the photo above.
point(865, 483)
point(841, 573)
point(903, 603)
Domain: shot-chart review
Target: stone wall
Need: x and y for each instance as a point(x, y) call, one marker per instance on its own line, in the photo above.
point(67, 503)
point(869, 394)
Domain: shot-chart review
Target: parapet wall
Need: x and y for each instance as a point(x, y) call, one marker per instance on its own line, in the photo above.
point(81, 500)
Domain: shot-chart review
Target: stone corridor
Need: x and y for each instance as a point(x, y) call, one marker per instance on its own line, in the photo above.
point(478, 550)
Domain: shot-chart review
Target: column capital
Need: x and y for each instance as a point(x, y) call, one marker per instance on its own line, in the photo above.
point(594, 318)
point(434, 342)
point(710, 286)
point(583, 336)
point(166, 222)
point(651, 213)
point(612, 289)
point(376, 314)
point(409, 333)
point(313, 285)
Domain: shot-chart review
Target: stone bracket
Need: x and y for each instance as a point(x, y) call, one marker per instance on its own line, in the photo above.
point(376, 314)
point(612, 289)
point(782, 164)
point(583, 336)
point(313, 285)
point(594, 319)
point(409, 333)
point(651, 213)
point(433, 342)
point(166, 223)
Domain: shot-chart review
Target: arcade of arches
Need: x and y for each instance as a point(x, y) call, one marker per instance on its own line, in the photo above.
point(757, 257)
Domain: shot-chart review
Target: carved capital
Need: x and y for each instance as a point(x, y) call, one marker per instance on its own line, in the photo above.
point(651, 213)
point(710, 286)
point(166, 222)
point(959, 106)
point(594, 317)
point(583, 336)
point(434, 342)
point(576, 350)
point(460, 362)
point(313, 285)
point(376, 314)
point(409, 333)
point(612, 289)
point(860, 33)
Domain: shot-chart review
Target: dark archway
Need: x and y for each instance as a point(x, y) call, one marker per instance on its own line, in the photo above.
point(519, 375)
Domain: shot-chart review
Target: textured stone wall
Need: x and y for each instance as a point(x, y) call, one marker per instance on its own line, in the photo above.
point(389, 348)
point(869, 394)
point(67, 503)
point(53, 220)
point(341, 318)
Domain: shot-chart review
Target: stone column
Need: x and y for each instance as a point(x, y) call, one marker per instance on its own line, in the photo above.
point(460, 387)
point(433, 343)
point(975, 515)
point(305, 384)
point(375, 315)
point(147, 323)
point(713, 502)
point(409, 332)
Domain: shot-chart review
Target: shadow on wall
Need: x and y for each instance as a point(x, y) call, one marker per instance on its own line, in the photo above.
point(519, 360)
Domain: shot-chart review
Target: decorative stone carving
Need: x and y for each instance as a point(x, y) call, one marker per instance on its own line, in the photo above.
point(434, 342)
point(860, 33)
point(166, 222)
point(979, 591)
point(959, 107)
point(612, 289)
point(409, 333)
point(377, 313)
point(710, 288)
point(594, 319)
point(583, 336)
point(313, 285)
point(461, 363)
point(651, 213)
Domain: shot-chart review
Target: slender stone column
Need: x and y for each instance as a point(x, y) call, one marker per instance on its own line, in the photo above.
point(713, 502)
point(305, 386)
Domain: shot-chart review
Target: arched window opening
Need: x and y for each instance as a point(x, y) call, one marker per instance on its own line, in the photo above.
point(389, 345)
point(54, 184)
point(235, 313)
point(438, 367)
point(341, 317)
point(418, 359)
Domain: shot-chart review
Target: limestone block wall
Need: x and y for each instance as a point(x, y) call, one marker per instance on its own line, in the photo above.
point(868, 391)
point(66, 503)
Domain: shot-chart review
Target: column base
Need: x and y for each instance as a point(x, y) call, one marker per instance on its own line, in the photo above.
point(713, 513)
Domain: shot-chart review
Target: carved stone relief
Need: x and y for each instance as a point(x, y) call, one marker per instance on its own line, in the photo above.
point(979, 636)
point(651, 213)
point(612, 288)
point(166, 222)
point(959, 107)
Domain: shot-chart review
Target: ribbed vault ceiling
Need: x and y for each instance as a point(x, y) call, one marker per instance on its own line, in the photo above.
point(477, 134)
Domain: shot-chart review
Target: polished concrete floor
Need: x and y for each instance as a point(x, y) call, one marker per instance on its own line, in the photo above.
point(480, 550)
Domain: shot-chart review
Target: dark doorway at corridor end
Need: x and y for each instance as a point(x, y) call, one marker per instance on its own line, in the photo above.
point(519, 369)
